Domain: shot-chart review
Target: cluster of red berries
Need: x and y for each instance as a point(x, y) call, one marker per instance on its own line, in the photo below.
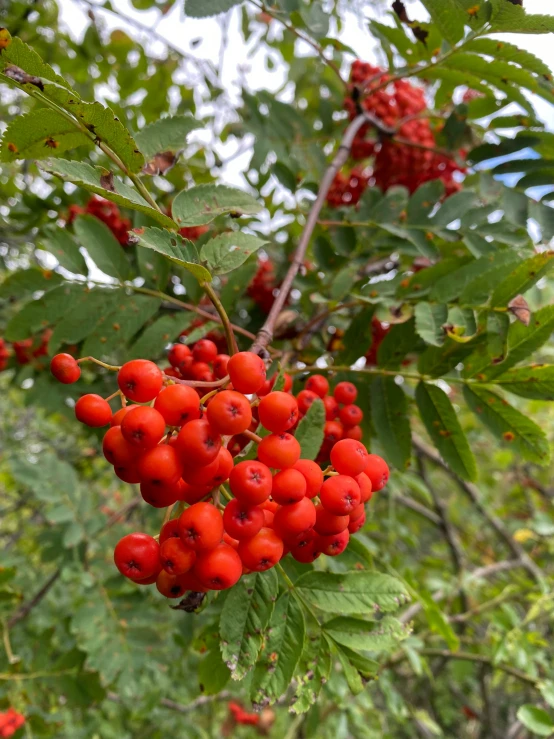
point(26, 351)
point(263, 285)
point(378, 332)
point(177, 448)
point(203, 363)
point(192, 233)
point(108, 213)
point(10, 722)
point(240, 716)
point(401, 106)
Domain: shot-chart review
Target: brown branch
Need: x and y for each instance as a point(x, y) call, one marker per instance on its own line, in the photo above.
point(414, 506)
point(24, 610)
point(179, 707)
point(480, 658)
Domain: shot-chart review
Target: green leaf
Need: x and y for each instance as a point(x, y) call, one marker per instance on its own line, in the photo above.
point(62, 246)
point(229, 250)
point(535, 382)
point(544, 215)
point(536, 719)
point(88, 311)
point(233, 289)
point(509, 17)
point(423, 201)
point(179, 250)
point(352, 593)
point(213, 673)
point(159, 334)
point(19, 285)
point(400, 340)
point(203, 203)
point(26, 58)
point(429, 320)
point(309, 433)
point(283, 649)
point(436, 361)
point(90, 178)
point(166, 134)
point(500, 49)
point(244, 618)
point(479, 278)
point(40, 134)
point(41, 313)
point(527, 274)
point(357, 338)
point(367, 636)
point(102, 247)
point(453, 206)
point(422, 282)
point(508, 424)
point(390, 420)
point(444, 428)
point(313, 672)
point(351, 674)
point(506, 146)
point(207, 8)
point(449, 17)
point(438, 621)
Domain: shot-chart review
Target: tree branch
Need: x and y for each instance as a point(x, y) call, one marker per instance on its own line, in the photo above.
point(179, 707)
point(27, 607)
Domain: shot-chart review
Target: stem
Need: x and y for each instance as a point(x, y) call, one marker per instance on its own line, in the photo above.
point(389, 373)
point(470, 657)
point(226, 494)
point(197, 383)
point(286, 578)
point(295, 592)
point(167, 514)
point(252, 436)
point(12, 658)
point(113, 367)
point(208, 396)
point(227, 327)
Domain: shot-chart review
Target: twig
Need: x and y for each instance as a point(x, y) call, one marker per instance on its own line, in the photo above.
point(26, 608)
point(179, 707)
point(471, 657)
point(413, 505)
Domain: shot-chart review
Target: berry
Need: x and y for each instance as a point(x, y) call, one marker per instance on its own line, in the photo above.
point(279, 451)
point(251, 482)
point(92, 410)
point(357, 524)
point(176, 558)
point(304, 399)
point(160, 466)
point(116, 448)
point(143, 427)
point(119, 415)
point(137, 556)
point(354, 432)
point(340, 495)
point(229, 412)
point(201, 476)
point(327, 523)
point(291, 520)
point(193, 493)
point(201, 372)
point(366, 488)
point(289, 486)
point(127, 473)
point(169, 529)
point(65, 368)
point(160, 496)
point(306, 548)
point(331, 408)
point(201, 526)
point(318, 385)
point(171, 586)
point(197, 443)
point(204, 351)
point(140, 380)
point(278, 412)
point(220, 365)
point(378, 471)
point(178, 404)
point(345, 392)
point(335, 544)
point(349, 457)
point(312, 474)
point(351, 415)
point(247, 372)
point(332, 432)
point(178, 354)
point(262, 551)
point(242, 522)
point(220, 568)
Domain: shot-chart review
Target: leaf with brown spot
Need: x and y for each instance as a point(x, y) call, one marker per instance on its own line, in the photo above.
point(160, 163)
point(22, 78)
point(519, 307)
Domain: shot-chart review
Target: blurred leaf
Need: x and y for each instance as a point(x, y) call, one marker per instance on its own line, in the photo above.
point(430, 320)
point(390, 420)
point(102, 247)
point(229, 250)
point(180, 251)
point(352, 593)
point(309, 433)
point(203, 203)
point(536, 720)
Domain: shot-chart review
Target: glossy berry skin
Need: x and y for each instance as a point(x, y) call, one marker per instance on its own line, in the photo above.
point(247, 372)
point(201, 527)
point(170, 586)
point(327, 524)
point(378, 471)
point(127, 473)
point(291, 520)
point(65, 369)
point(351, 415)
point(178, 354)
point(193, 493)
point(201, 372)
point(306, 548)
point(349, 457)
point(366, 488)
point(160, 496)
point(278, 412)
point(201, 476)
point(289, 486)
point(340, 495)
point(279, 451)
point(116, 448)
point(169, 530)
point(197, 443)
point(318, 385)
point(140, 380)
point(219, 568)
point(251, 482)
point(224, 467)
point(137, 556)
point(334, 545)
point(358, 511)
point(119, 415)
point(354, 432)
point(220, 365)
point(305, 398)
point(93, 411)
point(229, 412)
point(333, 432)
point(176, 558)
point(345, 393)
point(313, 475)
point(143, 427)
point(261, 552)
point(204, 351)
point(160, 465)
point(242, 522)
point(178, 404)
point(357, 524)
point(331, 408)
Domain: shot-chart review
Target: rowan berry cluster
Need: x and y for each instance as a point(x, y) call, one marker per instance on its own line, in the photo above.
point(401, 106)
point(178, 449)
point(203, 362)
point(105, 211)
point(192, 233)
point(378, 332)
point(262, 286)
point(26, 351)
point(240, 716)
point(10, 722)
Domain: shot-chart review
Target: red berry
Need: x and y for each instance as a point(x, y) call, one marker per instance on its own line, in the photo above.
point(218, 569)
point(204, 351)
point(378, 471)
point(197, 443)
point(119, 415)
point(220, 365)
point(288, 382)
point(345, 392)
point(351, 415)
point(358, 511)
point(160, 465)
point(65, 369)
point(242, 522)
point(291, 520)
point(140, 380)
point(262, 551)
point(143, 427)
point(127, 473)
point(318, 385)
point(251, 482)
point(247, 372)
point(279, 451)
point(340, 495)
point(116, 449)
point(356, 525)
point(137, 556)
point(176, 558)
point(147, 581)
point(201, 372)
point(327, 523)
point(349, 457)
point(178, 404)
point(201, 476)
point(331, 408)
point(312, 474)
point(278, 412)
point(92, 410)
point(193, 493)
point(333, 432)
point(160, 496)
point(178, 354)
point(366, 488)
point(171, 586)
point(306, 548)
point(304, 399)
point(201, 526)
point(354, 432)
point(169, 529)
point(224, 467)
point(289, 486)
point(335, 544)
point(229, 412)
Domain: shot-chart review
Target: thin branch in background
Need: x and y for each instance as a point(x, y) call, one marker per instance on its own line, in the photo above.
point(203, 700)
point(24, 610)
